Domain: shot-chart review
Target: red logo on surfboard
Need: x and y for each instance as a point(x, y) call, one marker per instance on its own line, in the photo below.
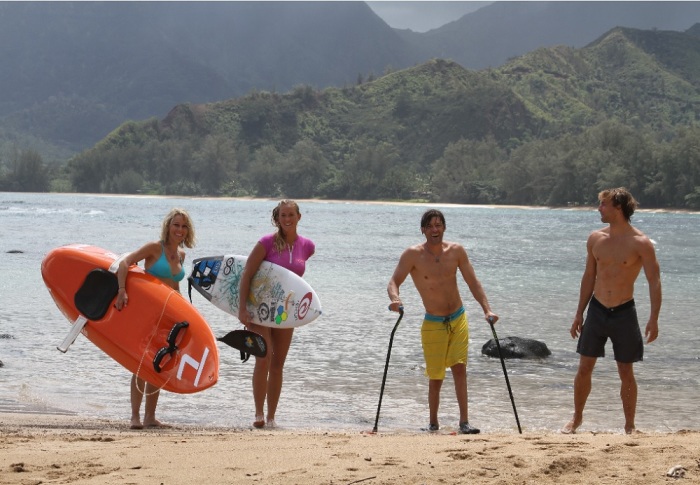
point(304, 305)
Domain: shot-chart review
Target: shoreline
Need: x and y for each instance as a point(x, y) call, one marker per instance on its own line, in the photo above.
point(367, 202)
point(39, 448)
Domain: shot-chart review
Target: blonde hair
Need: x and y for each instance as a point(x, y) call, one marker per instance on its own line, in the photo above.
point(280, 242)
point(165, 229)
point(620, 197)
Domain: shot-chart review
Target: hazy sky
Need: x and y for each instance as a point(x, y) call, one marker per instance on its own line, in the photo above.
point(422, 16)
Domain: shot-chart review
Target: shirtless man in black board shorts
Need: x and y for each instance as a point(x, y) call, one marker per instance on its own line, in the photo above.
point(616, 255)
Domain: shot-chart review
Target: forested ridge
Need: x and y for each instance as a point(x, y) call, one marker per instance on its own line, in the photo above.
point(552, 127)
point(74, 71)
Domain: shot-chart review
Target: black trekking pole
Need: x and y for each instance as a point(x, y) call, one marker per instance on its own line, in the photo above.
point(505, 373)
point(386, 368)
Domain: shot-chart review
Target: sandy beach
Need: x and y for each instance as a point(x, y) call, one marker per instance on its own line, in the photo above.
point(42, 448)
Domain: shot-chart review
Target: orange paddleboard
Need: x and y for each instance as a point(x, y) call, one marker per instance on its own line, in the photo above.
point(159, 335)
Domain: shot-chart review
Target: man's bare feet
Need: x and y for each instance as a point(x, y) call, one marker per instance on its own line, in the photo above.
point(136, 423)
point(571, 427)
point(631, 430)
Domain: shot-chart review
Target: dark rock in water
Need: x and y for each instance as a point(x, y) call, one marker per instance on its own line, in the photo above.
point(516, 348)
point(6, 336)
point(1, 364)
point(15, 251)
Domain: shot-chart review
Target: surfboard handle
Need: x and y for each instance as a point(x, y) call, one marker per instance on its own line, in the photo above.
point(172, 345)
point(72, 334)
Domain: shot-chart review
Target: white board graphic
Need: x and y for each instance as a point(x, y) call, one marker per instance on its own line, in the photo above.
point(278, 298)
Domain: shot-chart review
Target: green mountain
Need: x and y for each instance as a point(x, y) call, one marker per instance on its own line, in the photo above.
point(552, 127)
point(73, 71)
point(498, 32)
point(642, 78)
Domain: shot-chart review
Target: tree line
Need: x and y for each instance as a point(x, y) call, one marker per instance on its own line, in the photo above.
point(565, 171)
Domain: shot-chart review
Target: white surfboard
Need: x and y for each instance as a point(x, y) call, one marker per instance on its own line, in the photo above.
point(278, 298)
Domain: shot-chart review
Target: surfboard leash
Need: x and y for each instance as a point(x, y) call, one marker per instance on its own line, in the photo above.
point(143, 356)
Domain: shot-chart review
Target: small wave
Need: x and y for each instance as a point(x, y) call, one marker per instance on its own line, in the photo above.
point(49, 211)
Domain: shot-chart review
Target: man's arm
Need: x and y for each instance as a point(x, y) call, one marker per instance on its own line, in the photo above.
point(403, 268)
point(587, 285)
point(653, 275)
point(477, 291)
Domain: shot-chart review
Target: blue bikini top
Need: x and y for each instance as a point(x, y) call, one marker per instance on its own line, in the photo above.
point(161, 268)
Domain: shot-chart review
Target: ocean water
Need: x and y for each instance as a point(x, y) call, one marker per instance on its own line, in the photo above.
point(529, 261)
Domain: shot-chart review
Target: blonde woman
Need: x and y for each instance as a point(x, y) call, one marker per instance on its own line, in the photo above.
point(163, 259)
point(290, 250)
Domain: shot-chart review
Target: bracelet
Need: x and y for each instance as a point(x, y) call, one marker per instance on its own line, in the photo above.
point(122, 288)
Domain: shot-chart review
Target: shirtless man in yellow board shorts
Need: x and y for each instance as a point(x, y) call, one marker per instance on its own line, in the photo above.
point(616, 254)
point(433, 268)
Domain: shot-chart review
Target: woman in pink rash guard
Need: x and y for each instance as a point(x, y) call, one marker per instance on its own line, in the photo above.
point(290, 250)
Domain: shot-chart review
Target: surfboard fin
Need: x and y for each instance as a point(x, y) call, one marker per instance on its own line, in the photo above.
point(92, 300)
point(247, 342)
point(72, 334)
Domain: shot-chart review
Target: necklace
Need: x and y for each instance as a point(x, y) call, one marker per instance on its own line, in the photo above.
point(172, 256)
point(436, 256)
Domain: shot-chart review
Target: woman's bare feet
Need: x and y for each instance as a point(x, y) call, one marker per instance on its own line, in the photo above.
point(154, 423)
point(136, 423)
point(259, 421)
point(571, 427)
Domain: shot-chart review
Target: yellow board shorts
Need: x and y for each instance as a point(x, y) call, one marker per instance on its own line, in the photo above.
point(445, 341)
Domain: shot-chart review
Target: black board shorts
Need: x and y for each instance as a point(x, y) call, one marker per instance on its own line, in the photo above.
point(619, 324)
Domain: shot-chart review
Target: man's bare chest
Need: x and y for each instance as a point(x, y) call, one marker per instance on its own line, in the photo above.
point(616, 253)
